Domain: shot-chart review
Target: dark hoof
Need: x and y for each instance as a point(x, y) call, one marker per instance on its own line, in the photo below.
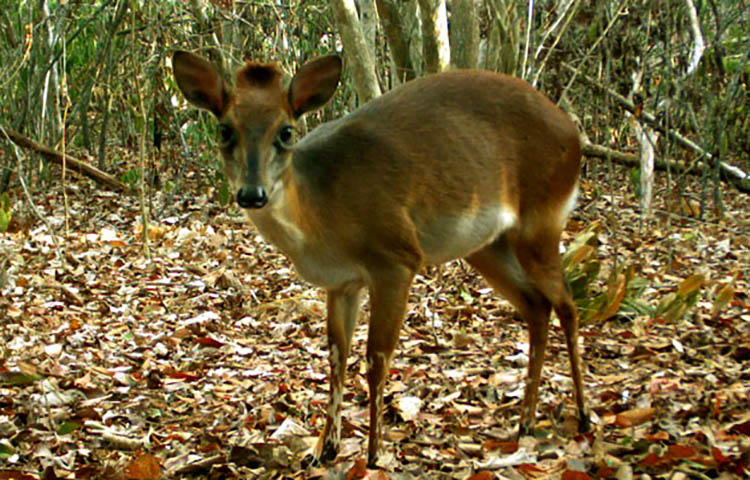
point(584, 422)
point(327, 453)
point(524, 431)
point(310, 461)
point(372, 464)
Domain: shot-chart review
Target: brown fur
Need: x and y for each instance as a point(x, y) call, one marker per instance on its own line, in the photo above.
point(466, 164)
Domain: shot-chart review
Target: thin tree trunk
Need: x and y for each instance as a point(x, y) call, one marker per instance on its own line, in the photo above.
point(360, 59)
point(464, 39)
point(397, 37)
point(368, 16)
point(437, 54)
point(698, 45)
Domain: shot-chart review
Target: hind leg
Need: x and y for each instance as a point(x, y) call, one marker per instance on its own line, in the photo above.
point(540, 259)
point(499, 266)
point(529, 276)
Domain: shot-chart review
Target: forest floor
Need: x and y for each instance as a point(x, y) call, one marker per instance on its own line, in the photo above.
point(209, 359)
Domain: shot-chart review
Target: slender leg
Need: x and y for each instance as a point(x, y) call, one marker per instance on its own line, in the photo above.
point(388, 297)
point(529, 275)
point(343, 306)
point(568, 315)
point(541, 261)
point(538, 324)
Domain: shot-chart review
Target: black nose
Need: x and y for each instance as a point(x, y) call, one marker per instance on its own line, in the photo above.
point(252, 197)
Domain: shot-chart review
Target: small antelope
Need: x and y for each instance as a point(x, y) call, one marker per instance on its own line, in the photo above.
point(461, 164)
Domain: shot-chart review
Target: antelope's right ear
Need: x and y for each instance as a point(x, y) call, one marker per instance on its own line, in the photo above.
point(200, 82)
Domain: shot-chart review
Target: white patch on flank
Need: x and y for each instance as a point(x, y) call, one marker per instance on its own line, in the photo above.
point(568, 206)
point(458, 235)
point(507, 219)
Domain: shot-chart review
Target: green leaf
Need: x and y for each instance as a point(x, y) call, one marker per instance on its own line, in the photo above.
point(18, 378)
point(6, 449)
point(723, 297)
point(68, 427)
point(691, 284)
point(225, 196)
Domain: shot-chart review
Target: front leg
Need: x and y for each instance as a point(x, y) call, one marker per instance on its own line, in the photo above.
point(388, 297)
point(343, 306)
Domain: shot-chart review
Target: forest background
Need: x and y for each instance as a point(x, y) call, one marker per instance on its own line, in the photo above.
point(149, 332)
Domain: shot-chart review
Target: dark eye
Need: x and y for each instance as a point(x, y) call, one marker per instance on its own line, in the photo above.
point(285, 135)
point(226, 134)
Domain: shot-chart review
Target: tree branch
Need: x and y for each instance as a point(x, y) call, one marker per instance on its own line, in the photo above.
point(70, 162)
point(737, 176)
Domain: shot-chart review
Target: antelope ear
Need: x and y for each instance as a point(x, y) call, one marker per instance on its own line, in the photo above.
point(314, 84)
point(200, 82)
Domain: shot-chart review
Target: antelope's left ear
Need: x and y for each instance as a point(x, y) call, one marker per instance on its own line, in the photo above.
point(314, 84)
point(200, 82)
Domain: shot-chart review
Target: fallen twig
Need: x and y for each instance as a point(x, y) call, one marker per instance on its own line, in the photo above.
point(70, 162)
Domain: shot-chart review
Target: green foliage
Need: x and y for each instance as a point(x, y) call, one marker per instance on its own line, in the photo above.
point(6, 212)
point(623, 294)
point(635, 180)
point(19, 378)
point(6, 449)
point(225, 196)
point(581, 268)
point(202, 132)
point(68, 427)
point(633, 303)
point(131, 177)
point(674, 306)
point(735, 64)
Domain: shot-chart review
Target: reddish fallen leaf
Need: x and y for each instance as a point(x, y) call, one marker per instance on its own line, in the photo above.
point(575, 475)
point(116, 243)
point(657, 437)
point(184, 376)
point(651, 460)
point(143, 467)
point(706, 461)
point(606, 472)
point(679, 452)
point(528, 469)
point(49, 474)
point(741, 428)
point(358, 470)
point(742, 469)
point(504, 447)
point(209, 447)
point(632, 418)
point(209, 342)
point(483, 475)
point(674, 454)
point(15, 475)
point(719, 456)
point(608, 395)
point(88, 472)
